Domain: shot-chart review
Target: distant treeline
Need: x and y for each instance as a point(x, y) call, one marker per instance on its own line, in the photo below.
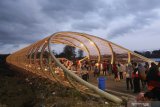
point(150, 54)
point(69, 52)
point(3, 58)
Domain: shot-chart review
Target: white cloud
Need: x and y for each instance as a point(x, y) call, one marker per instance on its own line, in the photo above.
point(130, 21)
point(141, 39)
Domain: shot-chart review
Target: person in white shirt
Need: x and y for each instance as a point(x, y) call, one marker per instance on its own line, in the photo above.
point(129, 71)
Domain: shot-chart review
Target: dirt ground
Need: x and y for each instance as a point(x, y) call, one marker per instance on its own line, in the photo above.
point(22, 89)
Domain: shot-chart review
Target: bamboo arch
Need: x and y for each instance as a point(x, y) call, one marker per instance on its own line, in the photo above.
point(38, 58)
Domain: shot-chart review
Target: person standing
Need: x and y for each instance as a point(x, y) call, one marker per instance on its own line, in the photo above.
point(96, 71)
point(115, 71)
point(85, 75)
point(153, 82)
point(142, 75)
point(104, 68)
point(129, 71)
point(120, 71)
point(146, 67)
point(136, 79)
point(152, 76)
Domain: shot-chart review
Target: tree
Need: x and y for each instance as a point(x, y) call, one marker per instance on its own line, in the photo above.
point(150, 54)
point(156, 54)
point(147, 54)
point(138, 52)
point(80, 53)
point(69, 52)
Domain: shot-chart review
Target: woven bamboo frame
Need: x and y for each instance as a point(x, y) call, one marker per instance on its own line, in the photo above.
point(39, 59)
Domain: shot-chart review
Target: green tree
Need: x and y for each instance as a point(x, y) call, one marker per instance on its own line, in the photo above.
point(80, 53)
point(69, 52)
point(148, 54)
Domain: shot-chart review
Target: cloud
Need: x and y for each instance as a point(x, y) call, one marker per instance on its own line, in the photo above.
point(20, 21)
point(24, 22)
point(67, 10)
point(148, 38)
point(10, 48)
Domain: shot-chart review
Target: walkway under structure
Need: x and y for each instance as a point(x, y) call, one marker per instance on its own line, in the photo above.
point(38, 58)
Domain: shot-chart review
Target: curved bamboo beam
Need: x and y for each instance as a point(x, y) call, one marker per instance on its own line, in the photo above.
point(25, 57)
point(90, 86)
point(90, 41)
point(42, 68)
point(86, 48)
point(129, 57)
point(140, 56)
point(69, 43)
point(98, 50)
point(110, 47)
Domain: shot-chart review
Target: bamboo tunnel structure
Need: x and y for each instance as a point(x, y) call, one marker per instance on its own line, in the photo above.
point(39, 59)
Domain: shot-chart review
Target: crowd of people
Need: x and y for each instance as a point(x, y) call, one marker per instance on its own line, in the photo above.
point(139, 76)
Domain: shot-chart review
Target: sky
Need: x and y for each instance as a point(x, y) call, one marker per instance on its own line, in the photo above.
point(133, 24)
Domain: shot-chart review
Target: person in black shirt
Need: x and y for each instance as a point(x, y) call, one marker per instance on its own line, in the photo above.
point(136, 78)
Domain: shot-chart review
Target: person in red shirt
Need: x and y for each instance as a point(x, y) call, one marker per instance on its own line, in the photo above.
point(115, 71)
point(104, 65)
